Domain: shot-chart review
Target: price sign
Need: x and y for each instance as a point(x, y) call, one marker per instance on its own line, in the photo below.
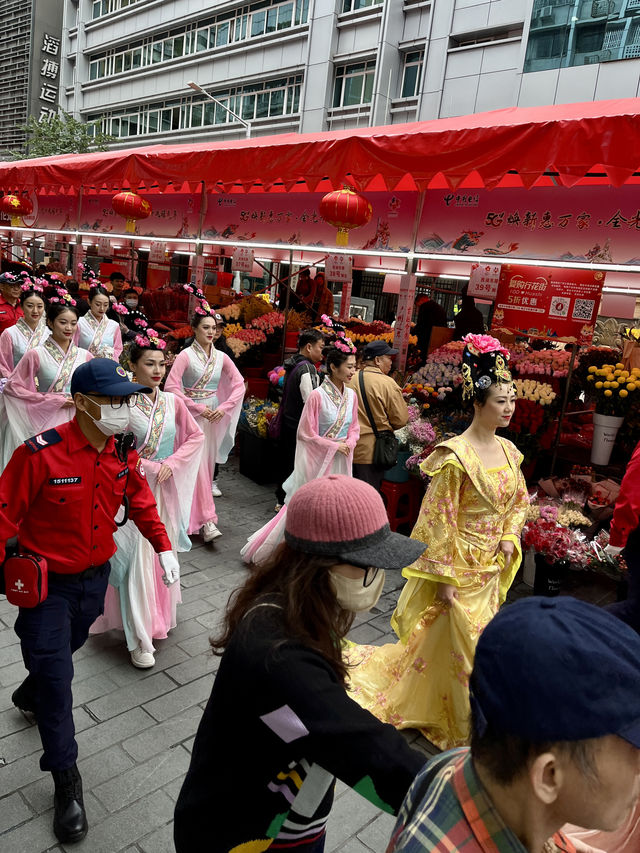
point(339, 268)
point(104, 247)
point(402, 328)
point(345, 299)
point(49, 242)
point(242, 260)
point(484, 281)
point(156, 252)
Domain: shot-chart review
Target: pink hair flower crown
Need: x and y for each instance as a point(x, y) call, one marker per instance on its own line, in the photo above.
point(481, 344)
point(151, 340)
point(36, 286)
point(327, 320)
point(344, 345)
point(63, 297)
point(119, 308)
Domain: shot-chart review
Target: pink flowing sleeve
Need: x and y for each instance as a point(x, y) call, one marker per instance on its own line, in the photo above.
point(308, 427)
point(6, 354)
point(353, 433)
point(232, 385)
point(117, 342)
point(188, 441)
point(42, 407)
point(175, 386)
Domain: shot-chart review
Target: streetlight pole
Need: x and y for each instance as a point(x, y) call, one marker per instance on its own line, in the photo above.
point(197, 88)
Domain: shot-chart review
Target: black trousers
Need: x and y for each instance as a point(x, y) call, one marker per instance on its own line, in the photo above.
point(371, 474)
point(286, 451)
point(49, 635)
point(629, 609)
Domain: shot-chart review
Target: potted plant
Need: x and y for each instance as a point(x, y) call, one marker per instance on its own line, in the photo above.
point(612, 387)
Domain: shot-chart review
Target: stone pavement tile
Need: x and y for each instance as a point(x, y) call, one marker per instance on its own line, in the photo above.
point(160, 841)
point(198, 644)
point(195, 579)
point(118, 830)
point(95, 770)
point(191, 593)
point(184, 630)
point(124, 698)
point(376, 834)
point(143, 779)
point(10, 653)
point(111, 732)
point(203, 664)
point(163, 736)
point(8, 637)
point(365, 634)
point(13, 674)
point(35, 836)
point(349, 814)
point(98, 644)
point(92, 688)
point(170, 704)
point(20, 744)
point(355, 846)
point(126, 673)
point(13, 811)
point(194, 608)
point(211, 620)
point(18, 774)
point(11, 720)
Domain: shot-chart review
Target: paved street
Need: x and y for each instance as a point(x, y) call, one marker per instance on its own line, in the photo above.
point(136, 727)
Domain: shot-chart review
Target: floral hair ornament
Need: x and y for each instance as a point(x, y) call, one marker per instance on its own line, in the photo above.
point(484, 363)
point(35, 285)
point(119, 308)
point(151, 340)
point(343, 344)
point(88, 275)
point(63, 297)
point(194, 291)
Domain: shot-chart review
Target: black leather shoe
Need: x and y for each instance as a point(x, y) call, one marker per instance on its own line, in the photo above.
point(69, 818)
point(24, 702)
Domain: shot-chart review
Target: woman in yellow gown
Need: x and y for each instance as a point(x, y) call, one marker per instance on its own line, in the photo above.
point(471, 518)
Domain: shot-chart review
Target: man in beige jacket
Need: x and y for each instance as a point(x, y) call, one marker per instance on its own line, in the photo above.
point(387, 406)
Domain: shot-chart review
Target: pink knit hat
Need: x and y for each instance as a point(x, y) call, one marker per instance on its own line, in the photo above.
point(342, 517)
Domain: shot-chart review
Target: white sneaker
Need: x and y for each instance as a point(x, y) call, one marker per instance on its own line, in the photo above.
point(142, 659)
point(210, 531)
point(215, 490)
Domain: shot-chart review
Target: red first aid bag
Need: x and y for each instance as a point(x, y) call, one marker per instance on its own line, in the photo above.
point(25, 580)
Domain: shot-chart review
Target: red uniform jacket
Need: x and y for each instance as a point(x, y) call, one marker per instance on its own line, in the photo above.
point(60, 496)
point(9, 315)
point(626, 515)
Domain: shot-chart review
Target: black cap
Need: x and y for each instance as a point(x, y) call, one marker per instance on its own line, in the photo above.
point(376, 348)
point(104, 376)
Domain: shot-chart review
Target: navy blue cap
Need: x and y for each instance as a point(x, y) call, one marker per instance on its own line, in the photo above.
point(104, 376)
point(376, 348)
point(557, 669)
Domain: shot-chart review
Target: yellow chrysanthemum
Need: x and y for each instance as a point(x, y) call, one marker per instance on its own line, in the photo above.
point(608, 393)
point(623, 392)
point(599, 384)
point(631, 386)
point(607, 384)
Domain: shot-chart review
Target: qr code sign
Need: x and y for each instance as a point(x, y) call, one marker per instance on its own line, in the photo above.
point(559, 306)
point(583, 309)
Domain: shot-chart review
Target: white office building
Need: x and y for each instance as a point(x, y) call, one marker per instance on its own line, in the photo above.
point(313, 65)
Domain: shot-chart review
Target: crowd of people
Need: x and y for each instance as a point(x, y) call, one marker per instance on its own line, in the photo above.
point(536, 705)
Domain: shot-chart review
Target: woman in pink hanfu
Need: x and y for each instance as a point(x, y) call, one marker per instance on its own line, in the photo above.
point(37, 394)
point(326, 438)
point(169, 443)
point(213, 388)
point(30, 331)
point(96, 332)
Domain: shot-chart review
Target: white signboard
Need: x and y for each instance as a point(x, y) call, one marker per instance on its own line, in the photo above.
point(484, 280)
point(242, 260)
point(104, 247)
point(345, 299)
point(402, 329)
point(49, 242)
point(156, 252)
point(339, 268)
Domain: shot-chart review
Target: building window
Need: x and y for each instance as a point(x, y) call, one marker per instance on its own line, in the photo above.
point(243, 24)
point(105, 7)
point(354, 5)
point(354, 84)
point(263, 100)
point(411, 73)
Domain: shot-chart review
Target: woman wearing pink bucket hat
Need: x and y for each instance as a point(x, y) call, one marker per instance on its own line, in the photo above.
point(279, 725)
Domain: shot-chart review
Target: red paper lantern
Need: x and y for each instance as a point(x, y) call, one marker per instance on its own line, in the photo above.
point(345, 209)
point(132, 207)
point(16, 207)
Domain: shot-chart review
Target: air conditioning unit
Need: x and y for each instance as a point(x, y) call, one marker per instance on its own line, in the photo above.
point(545, 14)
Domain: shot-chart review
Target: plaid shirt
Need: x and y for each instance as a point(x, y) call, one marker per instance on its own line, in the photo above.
point(447, 810)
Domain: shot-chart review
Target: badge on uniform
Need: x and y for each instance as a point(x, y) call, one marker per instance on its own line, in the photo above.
point(139, 468)
point(45, 439)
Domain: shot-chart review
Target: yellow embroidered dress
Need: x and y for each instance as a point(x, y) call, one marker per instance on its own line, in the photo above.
point(422, 681)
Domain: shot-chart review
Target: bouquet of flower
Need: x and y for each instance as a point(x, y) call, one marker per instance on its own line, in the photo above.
point(254, 337)
point(256, 414)
point(597, 560)
point(547, 362)
point(230, 312)
point(548, 537)
point(418, 436)
point(538, 392)
point(276, 376)
point(269, 323)
point(612, 387)
point(297, 321)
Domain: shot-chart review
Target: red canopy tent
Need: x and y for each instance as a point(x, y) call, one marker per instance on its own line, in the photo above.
point(516, 147)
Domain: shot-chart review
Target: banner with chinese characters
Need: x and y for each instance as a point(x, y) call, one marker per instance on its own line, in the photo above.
point(402, 329)
point(172, 215)
point(293, 219)
point(46, 57)
point(585, 224)
point(546, 301)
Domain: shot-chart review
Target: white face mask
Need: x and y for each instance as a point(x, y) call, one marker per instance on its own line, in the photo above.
point(352, 595)
point(131, 303)
point(112, 421)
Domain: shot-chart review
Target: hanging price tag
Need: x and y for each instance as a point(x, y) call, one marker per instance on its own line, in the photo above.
point(242, 260)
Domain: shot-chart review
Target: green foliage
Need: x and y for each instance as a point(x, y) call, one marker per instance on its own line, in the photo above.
point(60, 134)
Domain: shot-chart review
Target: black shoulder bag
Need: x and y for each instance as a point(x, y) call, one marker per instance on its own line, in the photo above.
point(385, 448)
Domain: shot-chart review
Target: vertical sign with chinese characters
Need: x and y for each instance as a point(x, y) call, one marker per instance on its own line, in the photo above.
point(338, 268)
point(46, 58)
point(483, 281)
point(156, 252)
point(104, 247)
point(402, 329)
point(242, 260)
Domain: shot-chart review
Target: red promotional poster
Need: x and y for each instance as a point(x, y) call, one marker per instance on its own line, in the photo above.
point(551, 302)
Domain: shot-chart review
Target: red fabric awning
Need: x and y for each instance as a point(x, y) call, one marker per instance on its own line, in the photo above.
point(479, 149)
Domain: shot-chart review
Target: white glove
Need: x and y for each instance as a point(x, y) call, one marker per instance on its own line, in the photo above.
point(170, 567)
point(612, 550)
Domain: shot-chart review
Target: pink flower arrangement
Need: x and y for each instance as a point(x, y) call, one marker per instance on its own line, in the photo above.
point(63, 296)
point(268, 323)
point(142, 324)
point(547, 537)
point(480, 344)
point(119, 308)
point(253, 337)
point(32, 285)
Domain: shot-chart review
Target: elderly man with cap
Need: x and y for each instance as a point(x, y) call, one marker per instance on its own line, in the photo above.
point(373, 386)
point(59, 495)
point(10, 310)
point(555, 718)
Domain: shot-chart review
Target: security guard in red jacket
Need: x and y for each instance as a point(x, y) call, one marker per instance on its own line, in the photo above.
point(60, 494)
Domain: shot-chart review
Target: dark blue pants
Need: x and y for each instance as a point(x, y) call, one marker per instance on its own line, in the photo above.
point(49, 634)
point(629, 610)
